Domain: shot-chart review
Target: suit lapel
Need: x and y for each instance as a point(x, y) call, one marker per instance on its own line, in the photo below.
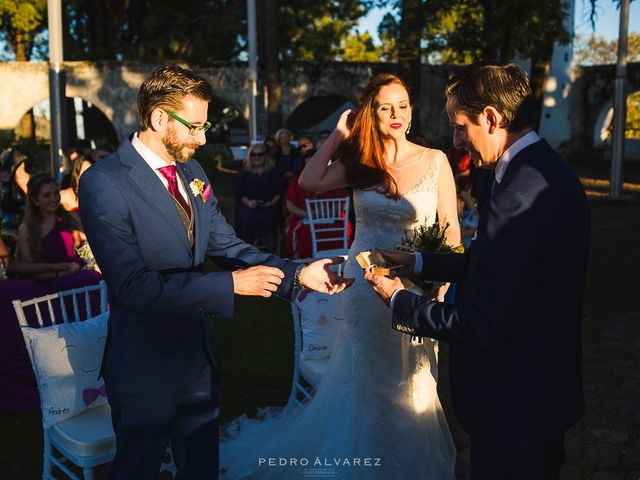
point(151, 187)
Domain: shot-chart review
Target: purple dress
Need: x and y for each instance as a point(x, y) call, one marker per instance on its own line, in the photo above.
point(253, 221)
point(58, 246)
point(18, 390)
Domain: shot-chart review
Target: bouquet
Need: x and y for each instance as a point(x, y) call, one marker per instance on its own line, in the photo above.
point(85, 253)
point(427, 238)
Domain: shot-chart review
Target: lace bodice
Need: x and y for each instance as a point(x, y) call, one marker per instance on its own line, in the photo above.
point(381, 221)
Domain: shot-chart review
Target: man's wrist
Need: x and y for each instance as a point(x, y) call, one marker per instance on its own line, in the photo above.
point(297, 284)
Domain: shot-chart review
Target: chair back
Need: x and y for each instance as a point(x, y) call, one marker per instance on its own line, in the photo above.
point(61, 307)
point(329, 224)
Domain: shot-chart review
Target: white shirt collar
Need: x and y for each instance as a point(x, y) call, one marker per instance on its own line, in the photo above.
point(515, 148)
point(153, 160)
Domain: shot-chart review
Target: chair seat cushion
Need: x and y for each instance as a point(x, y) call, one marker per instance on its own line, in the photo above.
point(87, 434)
point(313, 370)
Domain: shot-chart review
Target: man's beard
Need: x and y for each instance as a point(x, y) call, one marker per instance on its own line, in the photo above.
point(175, 148)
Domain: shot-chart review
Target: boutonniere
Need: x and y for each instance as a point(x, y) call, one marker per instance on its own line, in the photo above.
point(198, 187)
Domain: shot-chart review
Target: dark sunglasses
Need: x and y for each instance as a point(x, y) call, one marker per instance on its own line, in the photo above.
point(257, 154)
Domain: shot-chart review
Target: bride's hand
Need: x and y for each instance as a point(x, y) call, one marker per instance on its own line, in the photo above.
point(343, 128)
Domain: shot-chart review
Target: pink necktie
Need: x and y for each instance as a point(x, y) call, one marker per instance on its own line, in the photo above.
point(169, 172)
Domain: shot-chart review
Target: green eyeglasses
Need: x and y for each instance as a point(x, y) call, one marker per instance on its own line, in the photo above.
point(193, 129)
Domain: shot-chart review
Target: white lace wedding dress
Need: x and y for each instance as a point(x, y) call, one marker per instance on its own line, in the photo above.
point(376, 414)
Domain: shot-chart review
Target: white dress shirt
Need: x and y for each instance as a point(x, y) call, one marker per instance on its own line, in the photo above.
point(155, 163)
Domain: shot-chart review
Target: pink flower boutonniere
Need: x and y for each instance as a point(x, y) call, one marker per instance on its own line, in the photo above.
point(199, 188)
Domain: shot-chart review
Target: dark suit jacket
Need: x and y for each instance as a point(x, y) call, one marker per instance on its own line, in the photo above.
point(515, 355)
point(162, 305)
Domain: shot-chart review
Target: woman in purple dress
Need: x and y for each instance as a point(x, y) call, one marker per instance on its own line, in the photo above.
point(50, 234)
point(258, 192)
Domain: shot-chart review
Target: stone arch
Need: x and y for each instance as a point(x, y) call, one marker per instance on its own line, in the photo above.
point(317, 113)
point(86, 125)
point(604, 119)
point(601, 131)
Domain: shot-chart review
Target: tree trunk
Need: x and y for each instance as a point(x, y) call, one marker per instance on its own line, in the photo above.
point(411, 24)
point(20, 47)
point(272, 68)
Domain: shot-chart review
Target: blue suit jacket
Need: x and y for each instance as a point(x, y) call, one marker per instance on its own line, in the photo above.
point(515, 354)
point(162, 304)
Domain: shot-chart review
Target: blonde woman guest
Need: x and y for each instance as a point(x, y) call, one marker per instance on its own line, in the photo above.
point(287, 154)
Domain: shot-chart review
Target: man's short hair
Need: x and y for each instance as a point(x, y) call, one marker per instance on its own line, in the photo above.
point(166, 88)
point(503, 86)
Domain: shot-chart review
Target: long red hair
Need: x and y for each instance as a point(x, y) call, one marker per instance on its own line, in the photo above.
point(363, 152)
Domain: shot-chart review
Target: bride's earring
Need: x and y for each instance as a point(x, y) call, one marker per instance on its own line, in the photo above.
point(408, 129)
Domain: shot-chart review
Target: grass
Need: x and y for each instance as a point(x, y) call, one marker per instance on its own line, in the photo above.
point(256, 347)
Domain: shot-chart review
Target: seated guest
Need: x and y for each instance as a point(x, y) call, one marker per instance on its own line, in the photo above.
point(69, 196)
point(257, 194)
point(298, 232)
point(18, 389)
point(51, 235)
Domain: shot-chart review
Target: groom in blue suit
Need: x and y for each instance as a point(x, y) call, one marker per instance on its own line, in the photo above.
point(514, 330)
point(150, 217)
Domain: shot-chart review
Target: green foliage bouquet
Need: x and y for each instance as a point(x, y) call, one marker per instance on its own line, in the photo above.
point(426, 238)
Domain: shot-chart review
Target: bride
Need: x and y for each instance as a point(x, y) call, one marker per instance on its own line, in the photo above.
point(376, 413)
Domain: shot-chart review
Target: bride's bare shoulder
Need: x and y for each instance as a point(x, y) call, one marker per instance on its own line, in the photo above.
point(430, 155)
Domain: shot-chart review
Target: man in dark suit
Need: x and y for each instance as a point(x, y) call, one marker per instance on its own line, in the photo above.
point(150, 218)
point(514, 330)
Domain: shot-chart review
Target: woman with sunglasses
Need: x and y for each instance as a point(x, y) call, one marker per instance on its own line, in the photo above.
point(258, 191)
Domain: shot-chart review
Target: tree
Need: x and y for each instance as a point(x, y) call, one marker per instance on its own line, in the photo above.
point(388, 31)
point(155, 31)
point(301, 30)
point(599, 51)
point(499, 30)
point(359, 48)
point(22, 21)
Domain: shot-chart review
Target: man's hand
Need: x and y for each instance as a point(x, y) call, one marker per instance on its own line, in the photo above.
point(260, 280)
point(320, 278)
point(383, 286)
point(395, 257)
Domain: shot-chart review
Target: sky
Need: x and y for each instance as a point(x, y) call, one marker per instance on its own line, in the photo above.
point(607, 23)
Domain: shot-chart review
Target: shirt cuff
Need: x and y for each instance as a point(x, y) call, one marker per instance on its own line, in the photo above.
point(417, 268)
point(393, 297)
